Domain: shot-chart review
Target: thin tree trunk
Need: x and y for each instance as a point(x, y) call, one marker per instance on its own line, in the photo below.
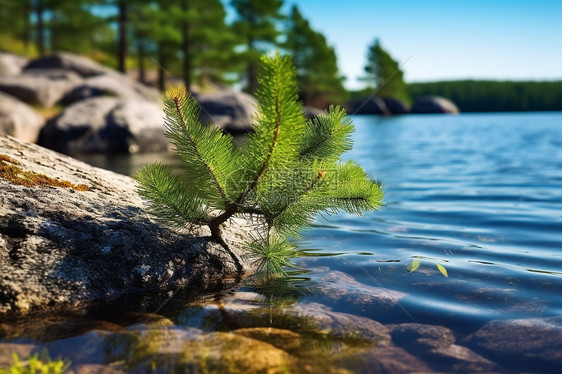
point(185, 46)
point(122, 51)
point(141, 60)
point(40, 28)
point(161, 68)
point(26, 32)
point(252, 71)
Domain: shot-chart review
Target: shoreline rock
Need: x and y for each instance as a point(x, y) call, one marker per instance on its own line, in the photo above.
point(66, 248)
point(434, 105)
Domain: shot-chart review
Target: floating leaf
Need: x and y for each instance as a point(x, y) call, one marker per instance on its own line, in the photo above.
point(442, 270)
point(413, 266)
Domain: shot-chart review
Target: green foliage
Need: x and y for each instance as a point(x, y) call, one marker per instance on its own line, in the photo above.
point(415, 265)
point(316, 63)
point(384, 73)
point(35, 365)
point(256, 27)
point(495, 96)
point(287, 171)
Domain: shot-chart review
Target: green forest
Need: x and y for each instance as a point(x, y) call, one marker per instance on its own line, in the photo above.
point(495, 96)
point(206, 42)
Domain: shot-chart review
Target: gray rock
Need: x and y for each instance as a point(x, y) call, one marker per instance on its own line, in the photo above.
point(396, 106)
point(11, 64)
point(19, 119)
point(436, 344)
point(434, 104)
point(343, 290)
point(391, 359)
point(82, 127)
point(139, 124)
point(62, 247)
point(371, 105)
point(311, 112)
point(112, 84)
point(106, 124)
point(40, 87)
point(525, 343)
point(227, 109)
point(69, 61)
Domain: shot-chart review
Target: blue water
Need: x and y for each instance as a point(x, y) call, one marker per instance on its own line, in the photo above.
point(480, 194)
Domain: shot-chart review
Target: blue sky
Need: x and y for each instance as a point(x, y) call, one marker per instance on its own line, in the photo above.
point(445, 39)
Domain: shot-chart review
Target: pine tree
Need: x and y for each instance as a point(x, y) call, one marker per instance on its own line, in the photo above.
point(256, 26)
point(385, 74)
point(72, 26)
point(316, 62)
point(286, 172)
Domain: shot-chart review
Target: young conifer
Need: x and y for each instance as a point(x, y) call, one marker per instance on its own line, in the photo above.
point(285, 173)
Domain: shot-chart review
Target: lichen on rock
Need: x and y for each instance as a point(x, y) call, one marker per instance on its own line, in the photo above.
point(61, 247)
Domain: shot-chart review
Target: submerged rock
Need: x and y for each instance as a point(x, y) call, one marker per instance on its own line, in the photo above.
point(525, 343)
point(436, 344)
point(64, 247)
point(343, 290)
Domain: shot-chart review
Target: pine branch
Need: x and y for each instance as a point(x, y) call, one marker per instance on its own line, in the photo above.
point(287, 172)
point(327, 136)
point(170, 200)
point(206, 151)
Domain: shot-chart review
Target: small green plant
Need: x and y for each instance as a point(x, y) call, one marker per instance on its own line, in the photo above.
point(35, 365)
point(285, 173)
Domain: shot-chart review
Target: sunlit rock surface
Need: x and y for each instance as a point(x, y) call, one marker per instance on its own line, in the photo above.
point(64, 247)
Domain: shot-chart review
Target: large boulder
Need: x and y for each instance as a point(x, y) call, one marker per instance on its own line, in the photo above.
point(81, 127)
point(43, 87)
point(19, 119)
point(106, 124)
point(11, 64)
point(62, 247)
point(227, 109)
point(112, 84)
point(371, 105)
point(98, 80)
point(310, 112)
point(527, 344)
point(81, 65)
point(434, 104)
point(139, 125)
point(396, 106)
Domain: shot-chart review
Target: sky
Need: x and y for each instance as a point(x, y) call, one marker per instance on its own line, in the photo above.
point(444, 40)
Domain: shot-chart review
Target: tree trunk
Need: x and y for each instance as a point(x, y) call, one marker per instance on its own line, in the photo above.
point(26, 32)
point(161, 68)
point(40, 27)
point(122, 51)
point(252, 70)
point(185, 46)
point(141, 60)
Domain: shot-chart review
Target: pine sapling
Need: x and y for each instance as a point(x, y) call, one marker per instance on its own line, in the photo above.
point(286, 172)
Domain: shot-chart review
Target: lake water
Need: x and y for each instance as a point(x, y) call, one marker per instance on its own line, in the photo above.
point(478, 194)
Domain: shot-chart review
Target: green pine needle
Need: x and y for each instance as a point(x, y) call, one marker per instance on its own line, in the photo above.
point(287, 171)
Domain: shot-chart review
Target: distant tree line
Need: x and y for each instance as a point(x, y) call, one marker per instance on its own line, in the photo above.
point(186, 38)
point(495, 96)
point(191, 39)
